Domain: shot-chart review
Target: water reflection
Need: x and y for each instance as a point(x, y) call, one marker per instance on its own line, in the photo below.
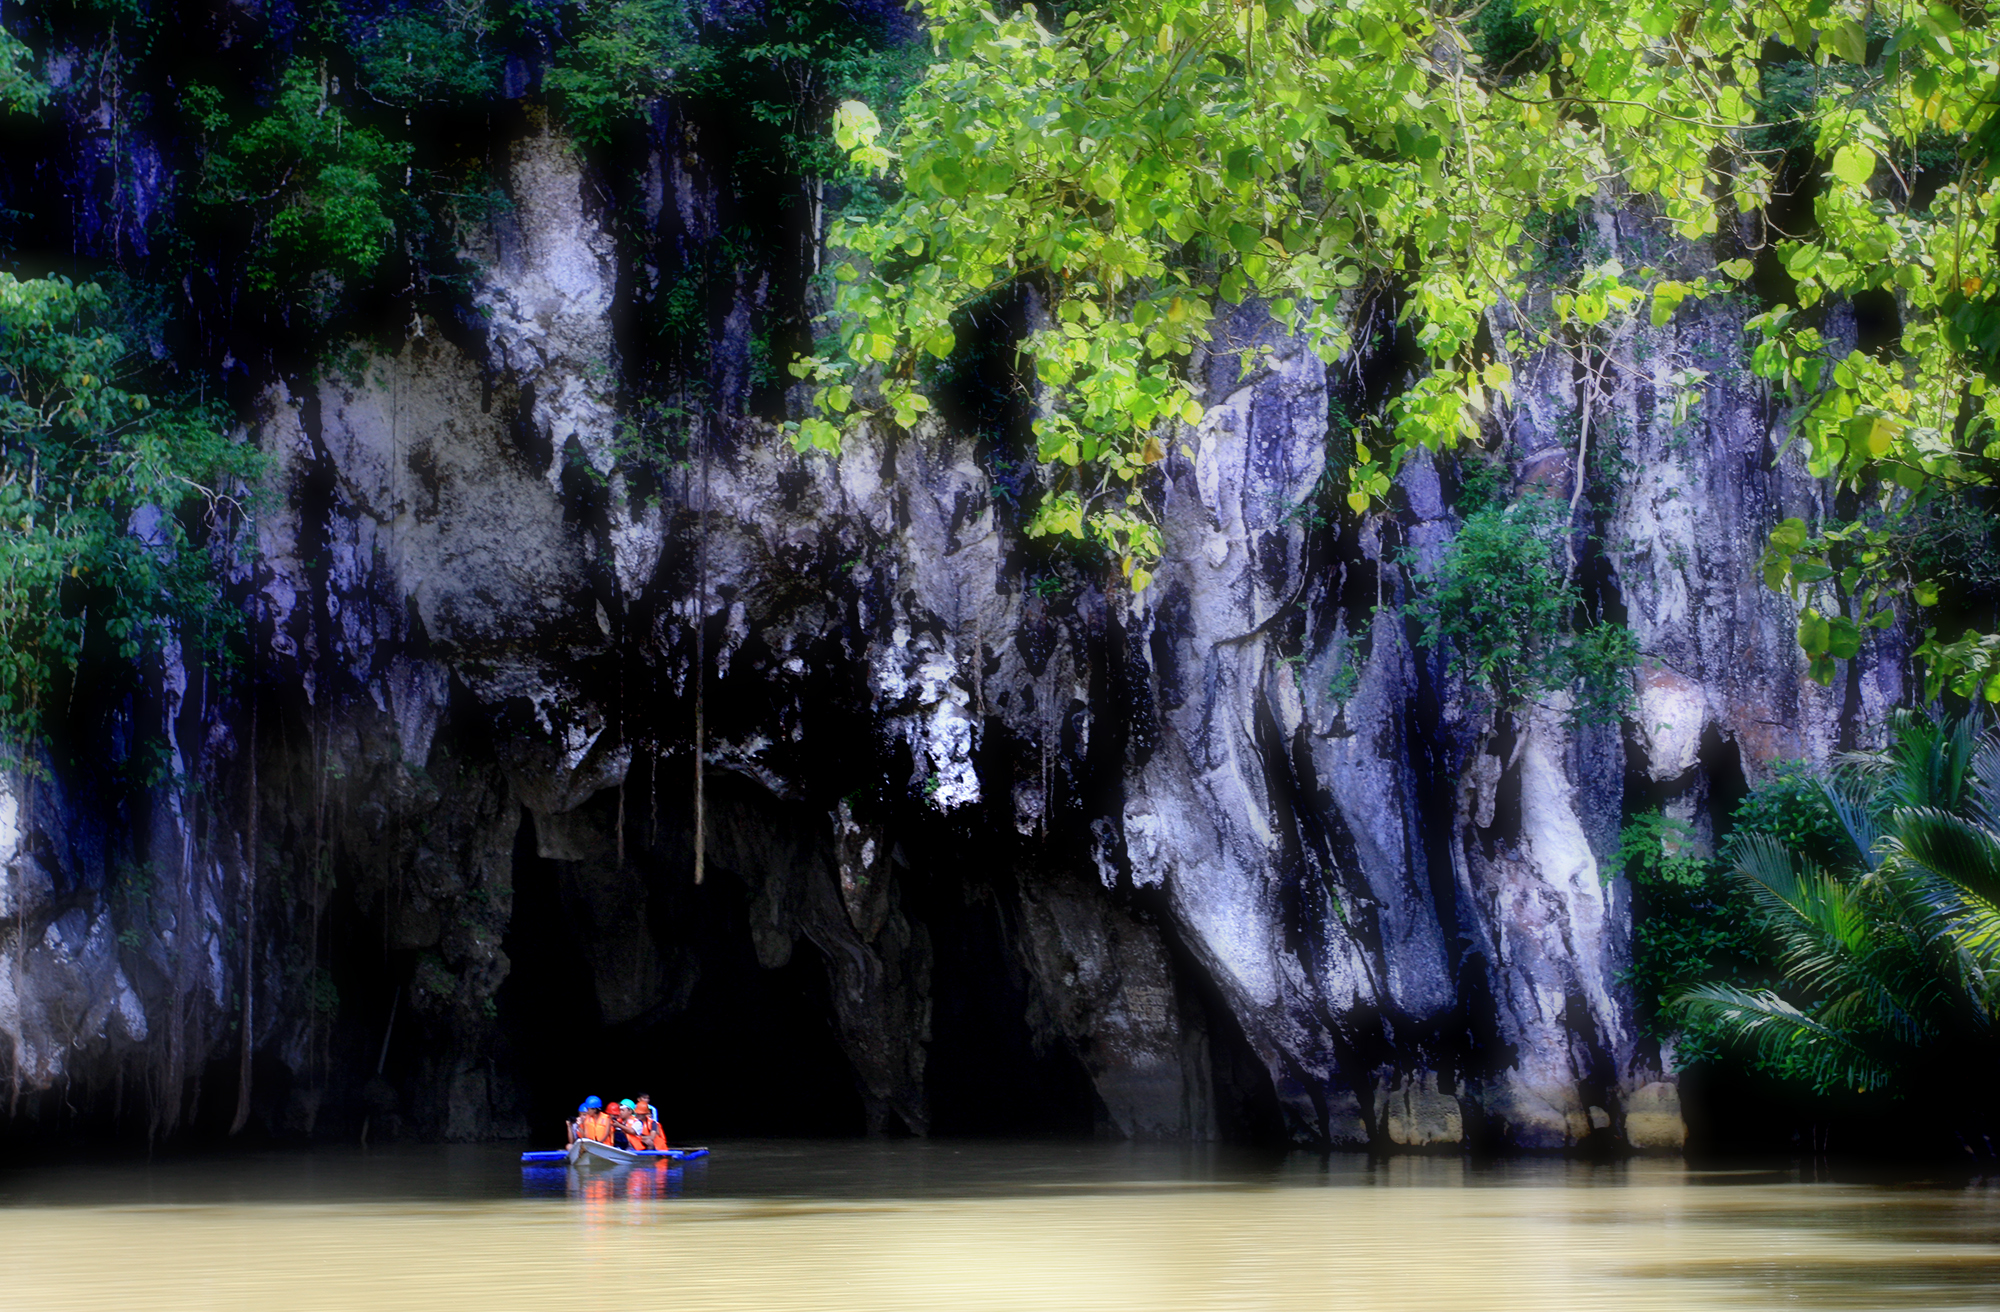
point(597, 1189)
point(987, 1227)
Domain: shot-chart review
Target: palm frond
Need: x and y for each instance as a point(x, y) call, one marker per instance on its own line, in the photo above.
point(1852, 797)
point(1984, 802)
point(1798, 894)
point(1977, 931)
point(1914, 907)
point(1860, 966)
point(1956, 849)
point(1895, 960)
point(1783, 1035)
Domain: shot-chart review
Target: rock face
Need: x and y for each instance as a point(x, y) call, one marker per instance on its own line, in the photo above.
point(1231, 856)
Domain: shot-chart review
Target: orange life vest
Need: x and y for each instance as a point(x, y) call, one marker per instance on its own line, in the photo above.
point(595, 1125)
point(652, 1136)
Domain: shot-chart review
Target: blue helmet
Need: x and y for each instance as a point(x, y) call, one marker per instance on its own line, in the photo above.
point(592, 1103)
point(582, 1107)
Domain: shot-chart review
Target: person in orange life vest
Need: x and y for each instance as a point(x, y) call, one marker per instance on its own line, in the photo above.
point(582, 1110)
point(651, 1135)
point(625, 1117)
point(595, 1123)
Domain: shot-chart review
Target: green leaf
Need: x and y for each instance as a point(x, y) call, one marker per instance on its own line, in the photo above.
point(950, 178)
point(1854, 165)
point(1846, 40)
point(854, 125)
point(1813, 632)
point(1875, 434)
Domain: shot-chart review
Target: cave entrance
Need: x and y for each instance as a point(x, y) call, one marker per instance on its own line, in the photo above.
point(726, 1048)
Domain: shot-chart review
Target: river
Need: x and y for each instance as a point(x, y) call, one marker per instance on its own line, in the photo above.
point(972, 1227)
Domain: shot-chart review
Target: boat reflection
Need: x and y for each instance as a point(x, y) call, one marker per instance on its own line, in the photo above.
point(598, 1190)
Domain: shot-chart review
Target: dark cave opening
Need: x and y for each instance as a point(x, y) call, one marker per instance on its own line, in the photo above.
point(732, 1049)
point(729, 1047)
point(988, 1072)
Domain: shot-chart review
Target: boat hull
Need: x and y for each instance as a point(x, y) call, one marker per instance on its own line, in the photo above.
point(588, 1152)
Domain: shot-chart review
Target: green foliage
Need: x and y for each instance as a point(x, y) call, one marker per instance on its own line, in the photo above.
point(1482, 484)
point(1890, 955)
point(1141, 162)
point(1504, 608)
point(20, 88)
point(1949, 541)
point(421, 57)
point(316, 189)
point(322, 995)
point(1345, 680)
point(98, 489)
point(1908, 205)
point(1791, 807)
point(1690, 922)
point(1503, 37)
point(1693, 921)
point(433, 984)
point(786, 69)
point(628, 54)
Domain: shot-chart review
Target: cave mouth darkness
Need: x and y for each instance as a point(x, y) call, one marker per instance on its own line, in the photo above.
point(726, 1048)
point(636, 979)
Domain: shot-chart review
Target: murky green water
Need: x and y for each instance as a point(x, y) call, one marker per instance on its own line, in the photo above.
point(930, 1226)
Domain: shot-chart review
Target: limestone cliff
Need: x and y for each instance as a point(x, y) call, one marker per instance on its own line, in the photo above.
point(989, 841)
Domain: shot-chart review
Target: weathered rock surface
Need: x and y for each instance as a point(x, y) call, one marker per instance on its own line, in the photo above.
point(1248, 851)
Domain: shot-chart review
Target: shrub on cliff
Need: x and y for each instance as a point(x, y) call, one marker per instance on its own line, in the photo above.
point(104, 500)
point(311, 191)
point(1503, 606)
point(1694, 922)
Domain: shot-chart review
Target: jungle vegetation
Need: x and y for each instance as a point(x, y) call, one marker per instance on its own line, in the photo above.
point(1141, 164)
point(1860, 938)
point(326, 179)
point(1136, 169)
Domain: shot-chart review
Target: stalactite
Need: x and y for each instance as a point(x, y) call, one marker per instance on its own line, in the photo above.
point(248, 1021)
point(382, 1056)
point(21, 933)
point(314, 876)
point(624, 741)
point(701, 672)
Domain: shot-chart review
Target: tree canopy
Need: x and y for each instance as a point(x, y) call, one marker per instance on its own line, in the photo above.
point(93, 476)
point(1139, 162)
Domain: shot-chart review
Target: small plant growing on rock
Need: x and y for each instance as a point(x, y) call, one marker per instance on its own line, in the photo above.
point(1511, 619)
point(1346, 680)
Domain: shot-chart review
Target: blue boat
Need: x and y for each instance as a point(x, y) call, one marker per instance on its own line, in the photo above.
point(589, 1152)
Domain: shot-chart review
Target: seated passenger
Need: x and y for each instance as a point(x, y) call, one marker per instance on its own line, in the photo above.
point(652, 1137)
point(595, 1122)
point(629, 1127)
